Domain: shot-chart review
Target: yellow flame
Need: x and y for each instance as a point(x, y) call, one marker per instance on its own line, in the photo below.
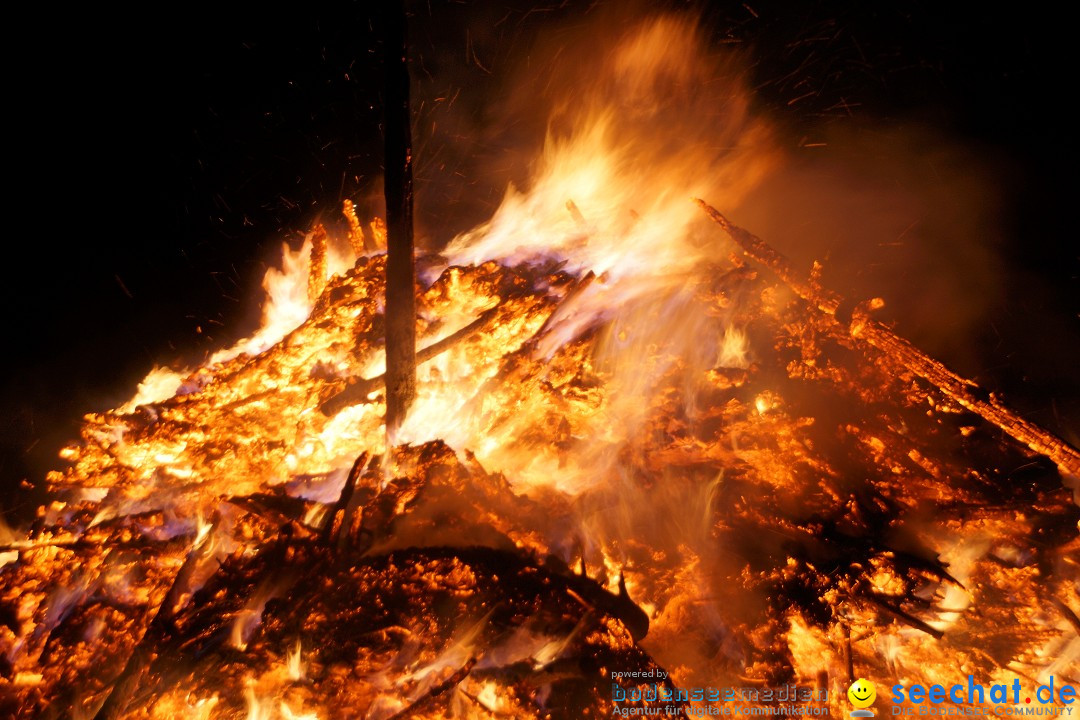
point(734, 349)
point(293, 663)
point(288, 714)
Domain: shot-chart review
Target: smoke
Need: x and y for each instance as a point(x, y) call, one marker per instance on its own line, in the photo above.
point(910, 216)
point(632, 111)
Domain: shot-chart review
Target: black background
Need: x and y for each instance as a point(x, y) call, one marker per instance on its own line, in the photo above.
point(160, 155)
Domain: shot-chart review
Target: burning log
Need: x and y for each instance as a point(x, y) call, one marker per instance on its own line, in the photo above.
point(357, 389)
point(317, 271)
point(81, 543)
point(429, 698)
point(400, 271)
point(116, 702)
point(862, 327)
point(338, 525)
point(357, 239)
point(378, 234)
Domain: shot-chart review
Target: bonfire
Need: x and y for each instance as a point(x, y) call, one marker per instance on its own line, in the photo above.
point(643, 446)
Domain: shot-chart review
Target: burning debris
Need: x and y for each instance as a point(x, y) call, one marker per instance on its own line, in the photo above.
point(774, 488)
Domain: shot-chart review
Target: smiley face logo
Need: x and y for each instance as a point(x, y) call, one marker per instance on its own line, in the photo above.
point(862, 695)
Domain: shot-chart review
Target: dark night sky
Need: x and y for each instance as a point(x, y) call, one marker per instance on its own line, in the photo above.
point(158, 168)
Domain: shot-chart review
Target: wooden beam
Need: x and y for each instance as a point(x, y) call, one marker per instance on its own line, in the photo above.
point(862, 327)
point(400, 269)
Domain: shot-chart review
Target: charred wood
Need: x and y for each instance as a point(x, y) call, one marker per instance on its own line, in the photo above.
point(400, 270)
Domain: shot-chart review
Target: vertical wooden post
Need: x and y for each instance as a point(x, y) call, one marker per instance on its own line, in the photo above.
point(400, 270)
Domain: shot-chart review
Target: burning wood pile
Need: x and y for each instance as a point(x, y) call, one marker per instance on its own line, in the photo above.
point(725, 473)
